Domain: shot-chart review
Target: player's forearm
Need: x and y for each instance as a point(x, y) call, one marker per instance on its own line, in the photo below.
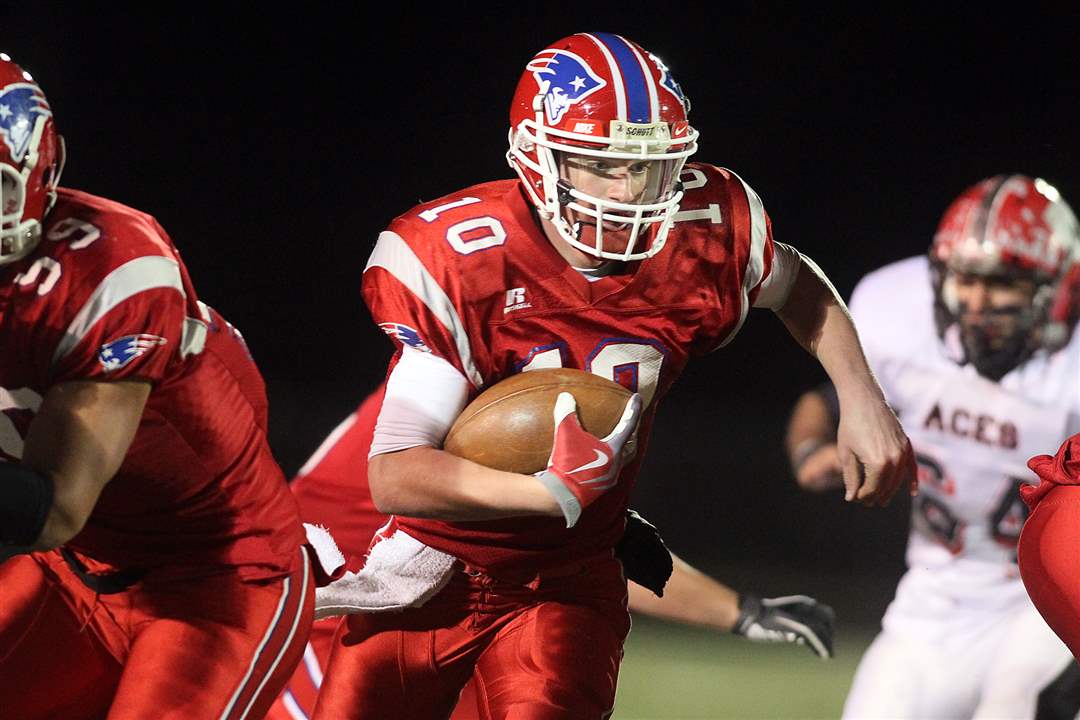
point(430, 483)
point(690, 597)
point(819, 320)
point(78, 440)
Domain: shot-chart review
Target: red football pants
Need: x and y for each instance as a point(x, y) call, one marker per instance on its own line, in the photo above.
point(1049, 565)
point(297, 700)
point(542, 652)
point(214, 647)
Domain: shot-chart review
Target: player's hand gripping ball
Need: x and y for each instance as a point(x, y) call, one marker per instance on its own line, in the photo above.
point(510, 426)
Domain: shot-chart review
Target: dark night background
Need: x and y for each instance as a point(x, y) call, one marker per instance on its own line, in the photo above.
point(274, 145)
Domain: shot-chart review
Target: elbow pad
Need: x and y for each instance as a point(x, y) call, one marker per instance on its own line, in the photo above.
point(25, 499)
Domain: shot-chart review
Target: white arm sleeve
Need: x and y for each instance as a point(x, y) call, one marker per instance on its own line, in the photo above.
point(777, 286)
point(424, 395)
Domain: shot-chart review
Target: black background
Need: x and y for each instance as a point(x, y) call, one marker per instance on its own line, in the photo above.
point(274, 145)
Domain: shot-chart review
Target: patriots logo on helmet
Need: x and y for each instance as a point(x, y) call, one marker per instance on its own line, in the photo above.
point(20, 104)
point(669, 82)
point(405, 334)
point(565, 79)
point(118, 353)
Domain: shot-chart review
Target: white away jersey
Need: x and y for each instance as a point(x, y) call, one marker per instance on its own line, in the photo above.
point(972, 437)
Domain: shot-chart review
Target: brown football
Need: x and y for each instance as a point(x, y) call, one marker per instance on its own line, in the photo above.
point(510, 426)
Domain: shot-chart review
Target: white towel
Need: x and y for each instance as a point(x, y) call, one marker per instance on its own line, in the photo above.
point(399, 572)
point(331, 561)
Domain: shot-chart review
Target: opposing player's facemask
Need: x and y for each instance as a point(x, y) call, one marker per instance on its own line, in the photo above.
point(994, 339)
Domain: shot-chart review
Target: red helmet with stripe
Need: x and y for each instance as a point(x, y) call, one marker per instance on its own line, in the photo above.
point(31, 158)
point(599, 95)
point(1011, 227)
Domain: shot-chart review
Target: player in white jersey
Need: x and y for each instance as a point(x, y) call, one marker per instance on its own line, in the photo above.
point(973, 346)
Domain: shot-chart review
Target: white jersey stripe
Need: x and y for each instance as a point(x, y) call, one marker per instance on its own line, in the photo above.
point(311, 663)
point(755, 263)
point(291, 706)
point(395, 256)
point(617, 80)
point(193, 336)
point(327, 445)
point(131, 278)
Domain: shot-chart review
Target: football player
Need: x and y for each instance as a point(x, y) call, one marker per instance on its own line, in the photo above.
point(1048, 542)
point(333, 492)
point(974, 346)
point(152, 558)
point(608, 253)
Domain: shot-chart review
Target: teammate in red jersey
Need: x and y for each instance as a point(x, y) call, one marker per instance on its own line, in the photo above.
point(153, 558)
point(1047, 547)
point(606, 255)
point(332, 490)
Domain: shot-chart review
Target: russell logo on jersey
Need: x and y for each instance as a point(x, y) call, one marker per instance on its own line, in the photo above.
point(118, 353)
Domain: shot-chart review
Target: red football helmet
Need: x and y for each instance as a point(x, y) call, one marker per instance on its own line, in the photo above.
point(1010, 227)
point(599, 95)
point(31, 158)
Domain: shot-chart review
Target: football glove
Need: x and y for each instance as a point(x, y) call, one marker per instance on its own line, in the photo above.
point(795, 619)
point(582, 467)
point(645, 558)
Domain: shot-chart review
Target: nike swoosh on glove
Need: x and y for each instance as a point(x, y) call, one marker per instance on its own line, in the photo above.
point(583, 467)
point(796, 619)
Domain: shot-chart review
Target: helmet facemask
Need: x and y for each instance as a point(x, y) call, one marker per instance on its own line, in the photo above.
point(643, 155)
point(999, 336)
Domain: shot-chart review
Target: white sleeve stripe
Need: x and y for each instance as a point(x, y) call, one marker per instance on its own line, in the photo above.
point(755, 263)
point(327, 445)
point(131, 278)
point(395, 256)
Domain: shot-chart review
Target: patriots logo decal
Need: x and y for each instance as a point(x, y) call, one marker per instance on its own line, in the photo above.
point(405, 334)
point(118, 353)
point(669, 82)
point(20, 106)
point(565, 79)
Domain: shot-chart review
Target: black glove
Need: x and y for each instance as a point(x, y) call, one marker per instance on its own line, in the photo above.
point(645, 558)
point(794, 618)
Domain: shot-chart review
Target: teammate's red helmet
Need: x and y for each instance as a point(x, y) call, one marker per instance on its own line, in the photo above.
point(600, 95)
point(31, 158)
point(1012, 227)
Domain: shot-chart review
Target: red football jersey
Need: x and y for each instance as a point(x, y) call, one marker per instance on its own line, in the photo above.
point(332, 487)
point(471, 278)
point(105, 296)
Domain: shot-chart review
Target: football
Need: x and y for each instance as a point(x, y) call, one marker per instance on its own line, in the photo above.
point(509, 426)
